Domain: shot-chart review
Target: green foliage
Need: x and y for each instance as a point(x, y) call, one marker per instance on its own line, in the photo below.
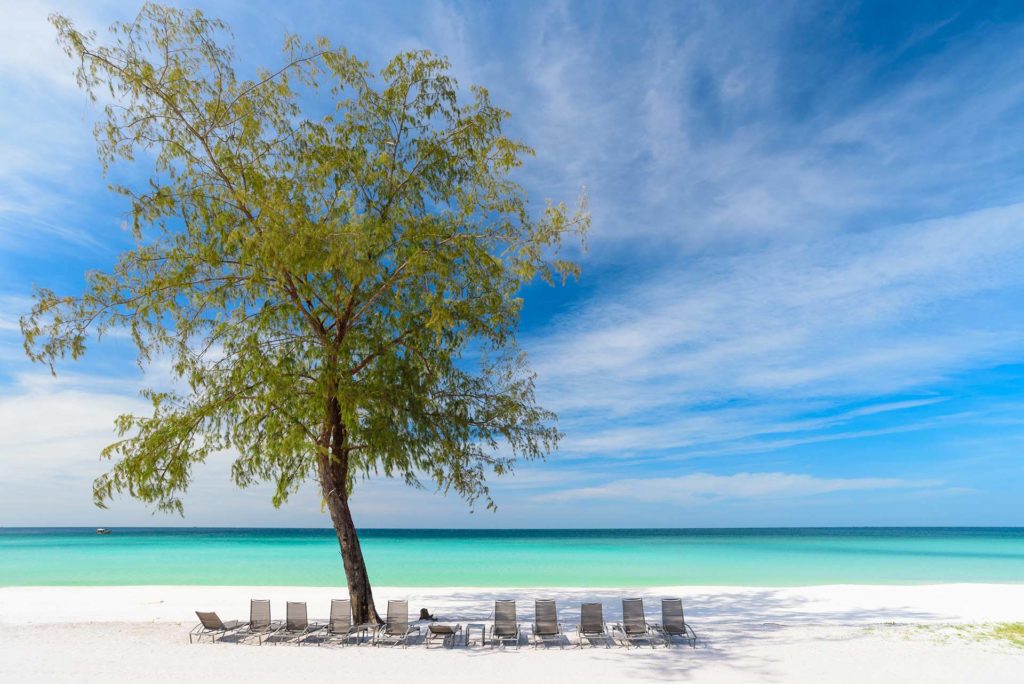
point(1012, 632)
point(329, 286)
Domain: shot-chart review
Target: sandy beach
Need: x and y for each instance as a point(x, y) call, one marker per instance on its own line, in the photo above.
point(840, 633)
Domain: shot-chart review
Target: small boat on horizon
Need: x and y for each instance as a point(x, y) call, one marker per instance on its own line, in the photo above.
point(102, 530)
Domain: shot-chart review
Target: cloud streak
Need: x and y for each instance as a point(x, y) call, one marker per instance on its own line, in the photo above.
point(705, 488)
point(737, 346)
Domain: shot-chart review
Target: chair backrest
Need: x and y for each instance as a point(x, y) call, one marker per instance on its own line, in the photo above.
point(341, 616)
point(295, 615)
point(545, 616)
point(592, 618)
point(633, 620)
point(259, 613)
point(398, 617)
point(505, 617)
point(210, 620)
point(672, 613)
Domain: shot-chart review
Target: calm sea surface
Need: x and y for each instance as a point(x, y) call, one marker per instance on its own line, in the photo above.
point(523, 558)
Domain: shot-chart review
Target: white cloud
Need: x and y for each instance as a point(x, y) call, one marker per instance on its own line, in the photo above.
point(47, 152)
point(663, 361)
point(58, 429)
point(700, 488)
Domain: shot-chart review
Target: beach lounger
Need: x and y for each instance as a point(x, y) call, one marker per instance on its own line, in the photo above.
point(592, 625)
point(296, 623)
point(396, 630)
point(260, 625)
point(505, 627)
point(212, 626)
point(448, 634)
point(545, 623)
point(340, 624)
point(634, 625)
point(673, 624)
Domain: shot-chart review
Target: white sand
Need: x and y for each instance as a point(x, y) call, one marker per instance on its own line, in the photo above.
point(811, 634)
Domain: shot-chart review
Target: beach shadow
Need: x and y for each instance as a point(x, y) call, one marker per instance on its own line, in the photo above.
point(727, 626)
point(767, 606)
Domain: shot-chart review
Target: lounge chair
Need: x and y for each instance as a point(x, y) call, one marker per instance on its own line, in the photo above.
point(673, 623)
point(260, 625)
point(296, 623)
point(396, 630)
point(212, 626)
point(448, 634)
point(340, 624)
point(634, 625)
point(592, 625)
point(545, 623)
point(505, 627)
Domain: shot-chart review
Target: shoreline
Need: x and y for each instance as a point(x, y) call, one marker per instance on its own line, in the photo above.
point(835, 633)
point(840, 604)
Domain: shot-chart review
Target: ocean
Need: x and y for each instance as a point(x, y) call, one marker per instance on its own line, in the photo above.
point(514, 558)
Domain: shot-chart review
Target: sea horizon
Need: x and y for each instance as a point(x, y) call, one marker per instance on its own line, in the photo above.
point(603, 527)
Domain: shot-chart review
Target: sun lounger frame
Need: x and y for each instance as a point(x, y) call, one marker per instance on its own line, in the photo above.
point(448, 638)
point(210, 625)
point(592, 625)
point(545, 623)
point(396, 629)
point(506, 625)
point(634, 627)
point(673, 623)
point(260, 623)
point(340, 624)
point(297, 625)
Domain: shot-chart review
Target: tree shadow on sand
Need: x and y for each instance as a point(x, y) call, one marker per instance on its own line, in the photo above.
point(727, 625)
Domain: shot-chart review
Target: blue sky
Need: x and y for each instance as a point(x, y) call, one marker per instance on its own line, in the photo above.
point(803, 297)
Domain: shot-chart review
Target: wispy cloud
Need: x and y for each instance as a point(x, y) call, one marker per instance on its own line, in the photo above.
point(47, 154)
point(788, 331)
point(702, 488)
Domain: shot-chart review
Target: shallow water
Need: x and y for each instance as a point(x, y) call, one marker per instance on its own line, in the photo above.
point(523, 558)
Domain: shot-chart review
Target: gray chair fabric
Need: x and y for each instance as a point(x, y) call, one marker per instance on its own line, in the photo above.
point(634, 623)
point(673, 623)
point(448, 634)
point(210, 625)
point(592, 625)
point(260, 624)
point(296, 623)
point(396, 629)
point(506, 626)
point(545, 622)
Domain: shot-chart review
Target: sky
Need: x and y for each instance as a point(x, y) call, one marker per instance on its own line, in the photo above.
point(802, 298)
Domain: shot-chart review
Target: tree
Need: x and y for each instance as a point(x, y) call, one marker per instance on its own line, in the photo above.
point(336, 287)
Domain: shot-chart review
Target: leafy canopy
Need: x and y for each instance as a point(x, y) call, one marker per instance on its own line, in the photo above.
point(297, 262)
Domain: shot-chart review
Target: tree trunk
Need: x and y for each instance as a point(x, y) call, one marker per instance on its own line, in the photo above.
point(333, 467)
point(336, 495)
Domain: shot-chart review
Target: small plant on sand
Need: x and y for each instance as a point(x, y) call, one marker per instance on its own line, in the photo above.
point(1012, 632)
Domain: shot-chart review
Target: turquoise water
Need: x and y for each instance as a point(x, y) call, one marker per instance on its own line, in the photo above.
point(523, 558)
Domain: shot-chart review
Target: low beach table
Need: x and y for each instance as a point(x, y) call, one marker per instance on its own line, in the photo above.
point(365, 630)
point(483, 633)
point(448, 634)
